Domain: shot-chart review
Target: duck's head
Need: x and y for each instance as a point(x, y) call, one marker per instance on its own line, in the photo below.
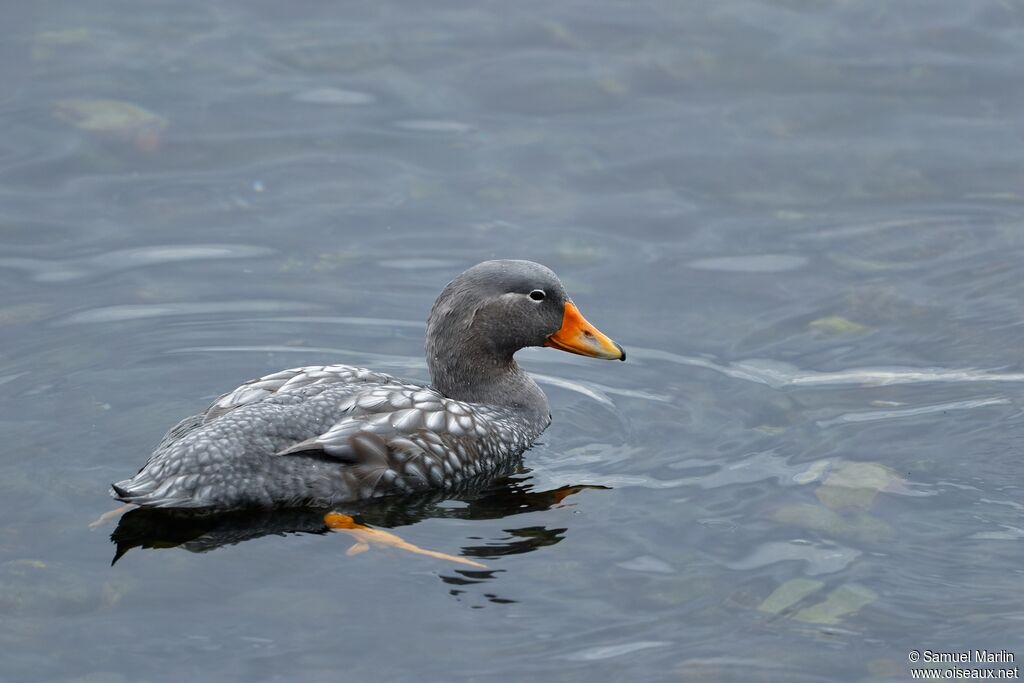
point(495, 308)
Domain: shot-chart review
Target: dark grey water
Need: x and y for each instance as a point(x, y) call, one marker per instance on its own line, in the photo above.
point(804, 221)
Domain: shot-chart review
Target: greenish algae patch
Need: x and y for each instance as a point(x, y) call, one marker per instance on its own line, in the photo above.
point(857, 525)
point(813, 473)
point(845, 600)
point(789, 594)
point(324, 262)
point(31, 587)
point(835, 326)
point(113, 118)
point(855, 485)
point(46, 44)
point(579, 253)
point(24, 566)
point(19, 314)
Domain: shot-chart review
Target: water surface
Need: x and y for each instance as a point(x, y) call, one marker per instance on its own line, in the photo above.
point(803, 220)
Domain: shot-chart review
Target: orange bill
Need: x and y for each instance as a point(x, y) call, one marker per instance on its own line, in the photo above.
point(578, 336)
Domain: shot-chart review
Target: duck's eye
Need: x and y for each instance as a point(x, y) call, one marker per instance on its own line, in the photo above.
point(538, 295)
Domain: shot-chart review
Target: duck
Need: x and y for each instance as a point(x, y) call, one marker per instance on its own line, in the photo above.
point(327, 435)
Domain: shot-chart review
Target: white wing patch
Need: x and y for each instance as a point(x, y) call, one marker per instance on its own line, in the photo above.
point(293, 379)
point(396, 413)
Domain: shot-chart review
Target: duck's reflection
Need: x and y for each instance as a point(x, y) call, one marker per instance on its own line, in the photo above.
point(147, 528)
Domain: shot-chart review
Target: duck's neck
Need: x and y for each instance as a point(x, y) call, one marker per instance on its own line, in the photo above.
point(466, 369)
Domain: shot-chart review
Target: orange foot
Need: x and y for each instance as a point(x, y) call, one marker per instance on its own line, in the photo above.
point(364, 536)
point(112, 514)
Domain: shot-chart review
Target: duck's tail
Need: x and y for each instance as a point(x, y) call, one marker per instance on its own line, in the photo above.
point(145, 491)
point(121, 492)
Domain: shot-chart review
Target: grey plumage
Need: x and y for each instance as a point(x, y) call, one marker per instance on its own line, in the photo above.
point(322, 435)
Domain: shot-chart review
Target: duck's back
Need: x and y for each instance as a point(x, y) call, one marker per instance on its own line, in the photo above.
point(322, 435)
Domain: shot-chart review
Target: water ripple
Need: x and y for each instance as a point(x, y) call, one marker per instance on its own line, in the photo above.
point(109, 314)
point(873, 415)
point(65, 270)
point(600, 652)
point(779, 374)
point(760, 263)
point(334, 97)
point(379, 359)
point(819, 558)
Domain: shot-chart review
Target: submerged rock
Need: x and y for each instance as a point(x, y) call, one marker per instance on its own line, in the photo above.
point(857, 525)
point(114, 118)
point(789, 594)
point(845, 600)
point(854, 485)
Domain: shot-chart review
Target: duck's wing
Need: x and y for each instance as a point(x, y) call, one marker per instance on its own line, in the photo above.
point(285, 381)
point(294, 379)
point(401, 439)
point(179, 430)
point(288, 381)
